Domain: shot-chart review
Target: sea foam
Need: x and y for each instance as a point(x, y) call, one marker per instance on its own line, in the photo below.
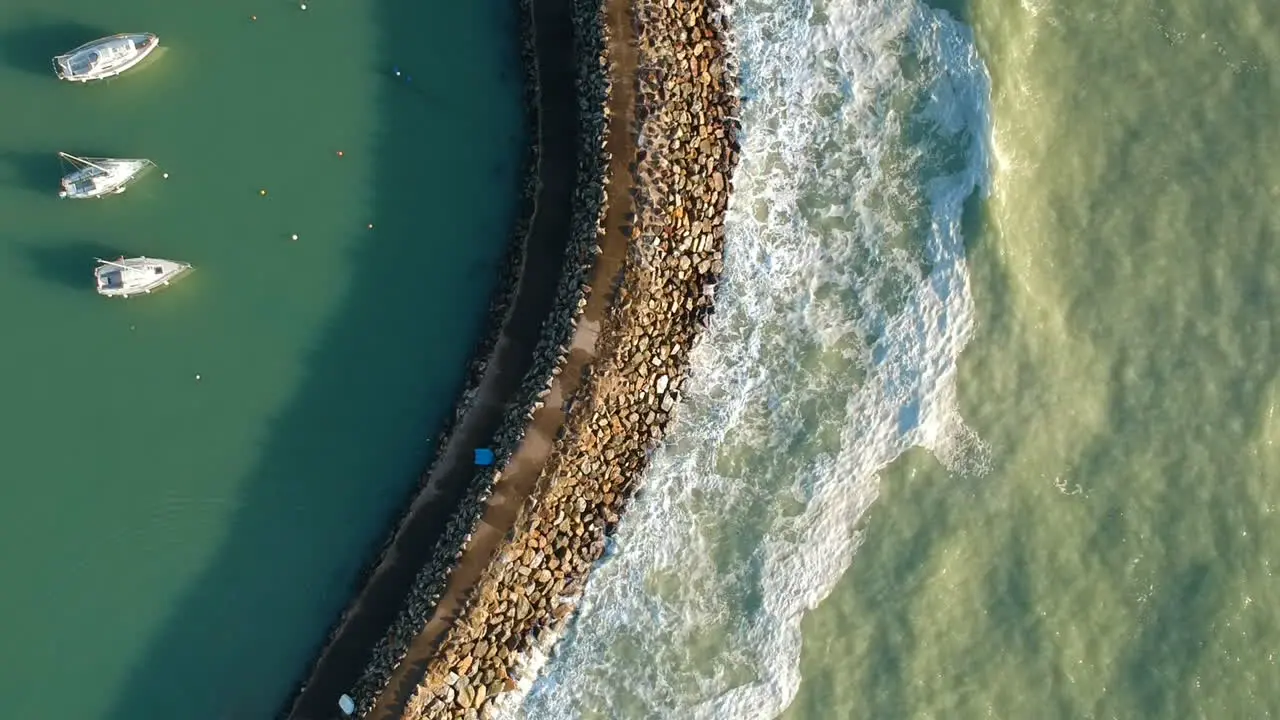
point(843, 310)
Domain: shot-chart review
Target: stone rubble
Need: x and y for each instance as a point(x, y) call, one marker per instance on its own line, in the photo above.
point(686, 105)
point(557, 333)
point(685, 112)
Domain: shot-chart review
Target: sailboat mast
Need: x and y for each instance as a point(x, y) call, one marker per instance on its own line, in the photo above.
point(73, 158)
point(113, 264)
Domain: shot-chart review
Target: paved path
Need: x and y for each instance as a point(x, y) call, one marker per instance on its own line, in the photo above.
point(521, 474)
point(375, 609)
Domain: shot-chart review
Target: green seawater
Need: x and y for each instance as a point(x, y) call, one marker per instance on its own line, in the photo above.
point(1117, 560)
point(193, 480)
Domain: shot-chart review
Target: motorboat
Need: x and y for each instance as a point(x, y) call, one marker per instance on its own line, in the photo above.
point(99, 177)
point(105, 57)
point(127, 277)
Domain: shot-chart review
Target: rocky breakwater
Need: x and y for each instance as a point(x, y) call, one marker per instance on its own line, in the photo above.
point(684, 108)
point(568, 167)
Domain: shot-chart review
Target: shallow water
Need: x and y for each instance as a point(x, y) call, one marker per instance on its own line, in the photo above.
point(984, 425)
point(174, 546)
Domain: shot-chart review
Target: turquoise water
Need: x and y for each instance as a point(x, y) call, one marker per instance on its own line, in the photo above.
point(194, 479)
point(985, 424)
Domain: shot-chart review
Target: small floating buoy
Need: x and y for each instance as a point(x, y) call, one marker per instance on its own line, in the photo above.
point(165, 176)
point(197, 376)
point(304, 6)
point(262, 193)
point(340, 153)
point(294, 236)
point(253, 17)
point(370, 226)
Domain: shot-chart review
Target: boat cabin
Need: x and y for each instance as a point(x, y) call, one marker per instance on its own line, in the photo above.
point(111, 280)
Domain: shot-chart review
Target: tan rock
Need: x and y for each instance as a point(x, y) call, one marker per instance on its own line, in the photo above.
point(464, 665)
point(466, 697)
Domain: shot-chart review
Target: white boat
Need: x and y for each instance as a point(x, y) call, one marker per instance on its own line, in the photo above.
point(105, 57)
point(127, 277)
point(98, 177)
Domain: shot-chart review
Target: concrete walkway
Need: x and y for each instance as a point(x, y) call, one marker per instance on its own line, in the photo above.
point(371, 615)
point(521, 475)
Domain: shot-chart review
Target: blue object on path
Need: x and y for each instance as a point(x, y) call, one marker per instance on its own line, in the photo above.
point(484, 457)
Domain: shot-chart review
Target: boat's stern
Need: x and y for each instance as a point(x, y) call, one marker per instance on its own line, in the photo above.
point(110, 280)
point(62, 67)
point(67, 186)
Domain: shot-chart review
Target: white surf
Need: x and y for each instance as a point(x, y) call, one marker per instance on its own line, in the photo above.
point(844, 309)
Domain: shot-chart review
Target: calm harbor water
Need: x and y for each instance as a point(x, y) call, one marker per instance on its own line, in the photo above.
point(985, 426)
point(177, 547)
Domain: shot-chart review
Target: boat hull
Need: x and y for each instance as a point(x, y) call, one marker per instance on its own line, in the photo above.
point(129, 277)
point(102, 178)
point(144, 44)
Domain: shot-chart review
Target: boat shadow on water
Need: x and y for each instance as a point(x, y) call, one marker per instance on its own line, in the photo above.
point(68, 264)
point(31, 47)
point(342, 455)
point(35, 171)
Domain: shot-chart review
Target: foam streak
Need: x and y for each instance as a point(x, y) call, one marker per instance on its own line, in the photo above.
point(844, 308)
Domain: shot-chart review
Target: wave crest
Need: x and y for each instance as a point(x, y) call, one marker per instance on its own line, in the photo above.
point(843, 310)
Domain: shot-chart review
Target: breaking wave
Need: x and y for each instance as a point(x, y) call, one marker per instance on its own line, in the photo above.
point(844, 308)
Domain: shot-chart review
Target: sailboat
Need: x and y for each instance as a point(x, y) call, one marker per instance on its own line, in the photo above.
point(105, 57)
point(127, 277)
point(98, 177)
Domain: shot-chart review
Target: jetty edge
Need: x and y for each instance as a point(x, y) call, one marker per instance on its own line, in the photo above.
point(574, 99)
point(496, 395)
point(665, 74)
point(642, 97)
